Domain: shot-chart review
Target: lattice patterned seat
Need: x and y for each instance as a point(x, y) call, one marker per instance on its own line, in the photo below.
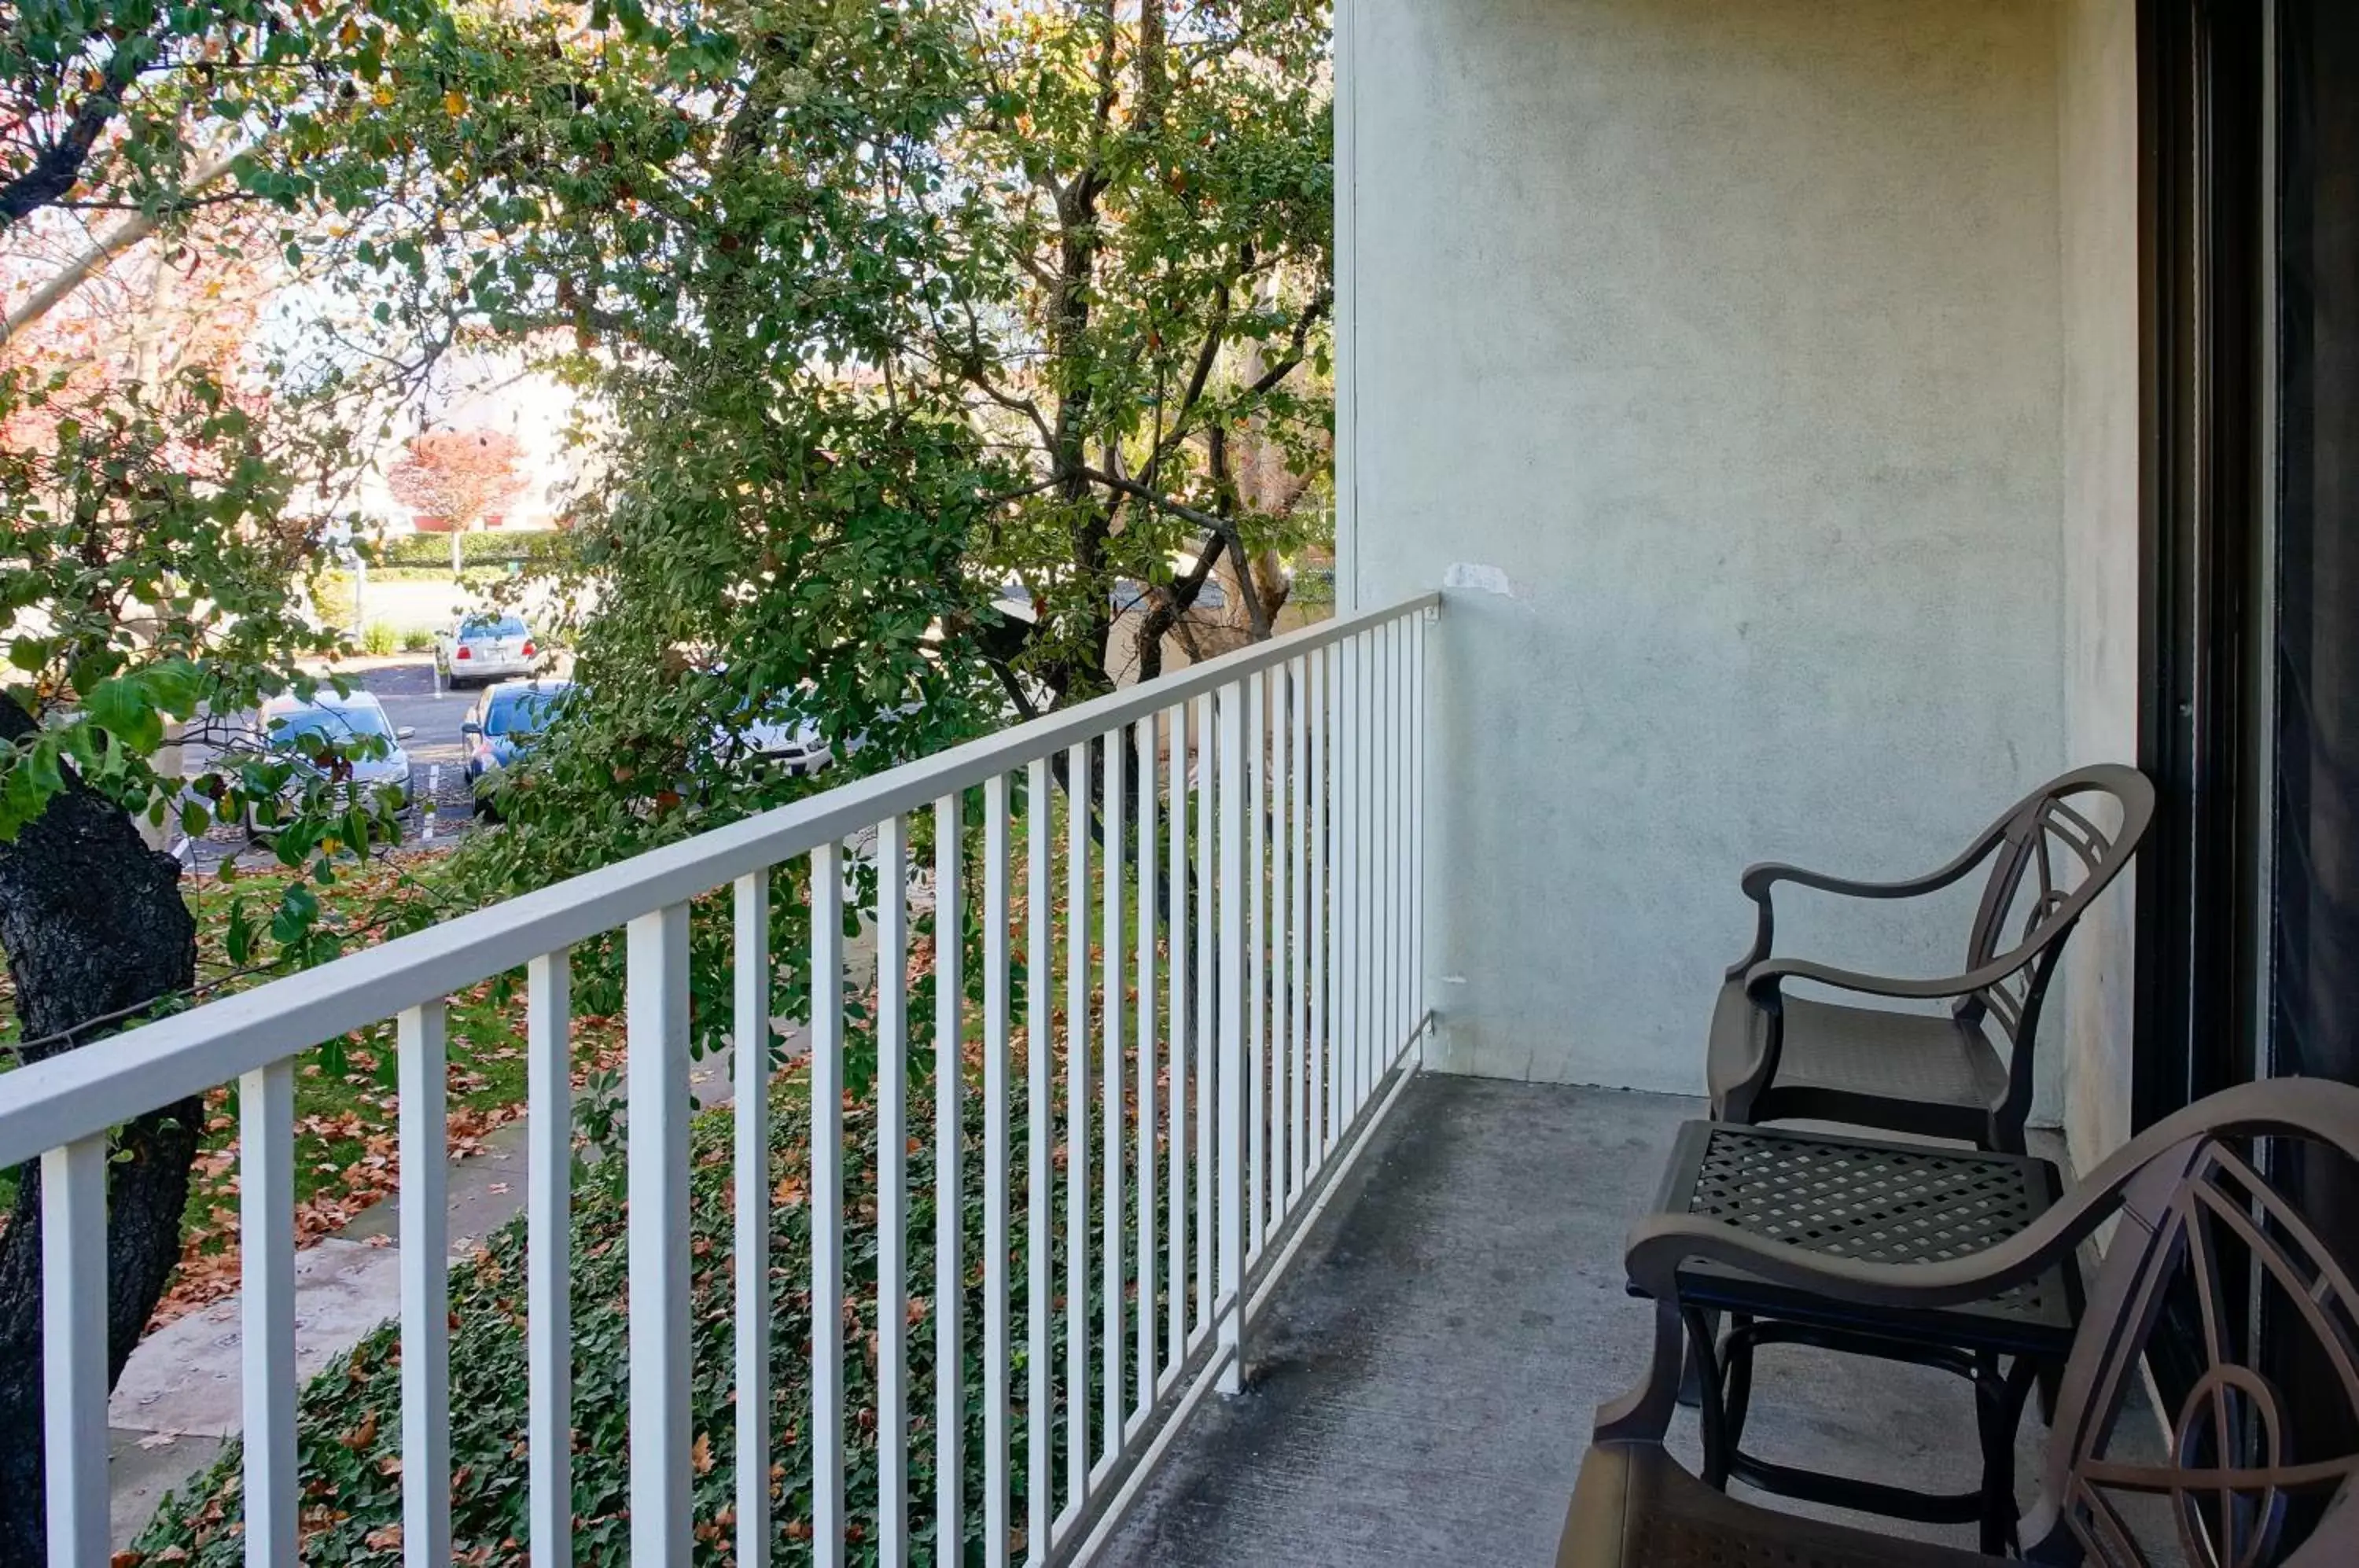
point(1775, 1056)
point(2241, 1484)
point(1880, 1203)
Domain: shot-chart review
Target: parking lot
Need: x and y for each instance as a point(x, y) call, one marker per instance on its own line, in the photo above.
point(405, 685)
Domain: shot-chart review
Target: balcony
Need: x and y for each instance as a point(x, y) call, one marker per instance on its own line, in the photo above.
point(1331, 1307)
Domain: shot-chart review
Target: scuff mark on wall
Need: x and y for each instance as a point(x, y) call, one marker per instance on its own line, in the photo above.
point(1480, 579)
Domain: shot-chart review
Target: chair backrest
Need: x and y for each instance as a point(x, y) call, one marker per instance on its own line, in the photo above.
point(2230, 1482)
point(2050, 857)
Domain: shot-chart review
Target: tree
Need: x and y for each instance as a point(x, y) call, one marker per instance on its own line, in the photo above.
point(1059, 270)
point(875, 309)
point(459, 477)
point(149, 533)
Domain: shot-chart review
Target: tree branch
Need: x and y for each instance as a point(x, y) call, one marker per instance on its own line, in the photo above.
point(1131, 487)
point(112, 244)
point(1318, 306)
point(1173, 602)
point(59, 165)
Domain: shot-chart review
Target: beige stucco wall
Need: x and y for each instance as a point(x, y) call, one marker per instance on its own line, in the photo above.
point(1710, 350)
point(2097, 121)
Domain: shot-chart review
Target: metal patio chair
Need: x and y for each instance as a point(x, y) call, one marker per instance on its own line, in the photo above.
point(1775, 1056)
point(2231, 1487)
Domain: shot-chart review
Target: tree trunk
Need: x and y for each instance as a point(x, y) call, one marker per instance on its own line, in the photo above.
point(92, 923)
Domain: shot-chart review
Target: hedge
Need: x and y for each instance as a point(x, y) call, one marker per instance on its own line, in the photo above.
point(537, 546)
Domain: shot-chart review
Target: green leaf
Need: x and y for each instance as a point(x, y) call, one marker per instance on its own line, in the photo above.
point(237, 938)
point(123, 707)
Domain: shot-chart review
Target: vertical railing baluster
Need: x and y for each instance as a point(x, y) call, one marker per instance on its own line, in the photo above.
point(1339, 1010)
point(266, 1106)
point(950, 1206)
point(74, 1331)
point(1416, 831)
point(1039, 989)
point(1230, 1204)
point(1323, 1086)
point(1179, 934)
point(1366, 896)
point(1384, 845)
point(892, 1193)
point(425, 1211)
point(549, 1261)
point(1077, 1124)
point(1349, 900)
point(1403, 912)
point(1297, 998)
point(1256, 936)
point(1207, 1068)
point(1402, 792)
point(1371, 862)
point(749, 1042)
point(1283, 1091)
point(1110, 1110)
point(656, 963)
point(75, 1328)
point(996, 1063)
point(827, 1204)
point(1149, 1192)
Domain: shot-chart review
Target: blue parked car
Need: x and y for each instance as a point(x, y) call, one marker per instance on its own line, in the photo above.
point(501, 727)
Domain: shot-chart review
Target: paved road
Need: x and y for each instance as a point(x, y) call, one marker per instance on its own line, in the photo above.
point(408, 691)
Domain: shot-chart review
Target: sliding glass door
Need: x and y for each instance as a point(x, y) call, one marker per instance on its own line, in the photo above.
point(2311, 853)
point(2249, 895)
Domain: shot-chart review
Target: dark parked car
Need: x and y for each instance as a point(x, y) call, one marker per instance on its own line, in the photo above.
point(501, 727)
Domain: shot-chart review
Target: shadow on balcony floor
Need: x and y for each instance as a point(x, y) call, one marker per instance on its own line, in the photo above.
point(1423, 1380)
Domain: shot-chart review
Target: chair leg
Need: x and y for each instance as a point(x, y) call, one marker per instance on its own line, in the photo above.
point(1736, 1375)
point(1691, 1370)
point(2050, 1376)
point(1711, 1417)
point(1999, 1398)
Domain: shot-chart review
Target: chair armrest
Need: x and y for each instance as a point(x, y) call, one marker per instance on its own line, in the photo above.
point(1763, 979)
point(1759, 880)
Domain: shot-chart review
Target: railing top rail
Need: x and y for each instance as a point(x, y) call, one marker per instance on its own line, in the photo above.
point(81, 1093)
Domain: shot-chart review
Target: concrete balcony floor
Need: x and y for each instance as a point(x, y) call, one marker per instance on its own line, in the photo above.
point(1422, 1379)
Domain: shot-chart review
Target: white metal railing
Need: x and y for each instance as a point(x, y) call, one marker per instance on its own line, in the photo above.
point(1275, 798)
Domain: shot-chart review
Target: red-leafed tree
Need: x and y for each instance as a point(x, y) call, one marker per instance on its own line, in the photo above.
point(461, 476)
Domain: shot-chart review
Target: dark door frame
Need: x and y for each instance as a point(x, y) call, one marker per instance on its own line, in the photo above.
point(2202, 346)
point(2202, 730)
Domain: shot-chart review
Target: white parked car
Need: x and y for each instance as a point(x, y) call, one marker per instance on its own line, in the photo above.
point(797, 745)
point(484, 647)
point(293, 728)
